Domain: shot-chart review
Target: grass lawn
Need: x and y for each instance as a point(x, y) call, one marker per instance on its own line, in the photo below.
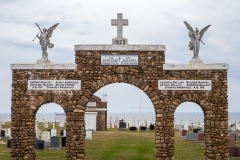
point(119, 145)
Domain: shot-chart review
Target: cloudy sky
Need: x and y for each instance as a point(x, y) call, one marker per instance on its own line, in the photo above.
point(150, 22)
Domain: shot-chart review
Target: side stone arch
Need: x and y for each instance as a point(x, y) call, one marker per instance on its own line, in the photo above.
point(215, 126)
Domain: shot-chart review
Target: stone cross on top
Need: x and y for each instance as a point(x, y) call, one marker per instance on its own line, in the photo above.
point(119, 22)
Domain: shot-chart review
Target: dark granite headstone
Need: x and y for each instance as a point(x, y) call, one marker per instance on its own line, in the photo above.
point(143, 128)
point(196, 130)
point(8, 144)
point(184, 132)
point(132, 128)
point(61, 133)
point(3, 133)
point(63, 141)
point(151, 127)
point(54, 142)
point(122, 125)
point(39, 144)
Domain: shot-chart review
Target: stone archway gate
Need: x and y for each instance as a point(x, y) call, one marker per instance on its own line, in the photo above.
point(140, 65)
point(94, 70)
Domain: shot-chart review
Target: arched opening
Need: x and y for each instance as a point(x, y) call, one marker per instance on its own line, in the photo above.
point(189, 131)
point(124, 102)
point(50, 131)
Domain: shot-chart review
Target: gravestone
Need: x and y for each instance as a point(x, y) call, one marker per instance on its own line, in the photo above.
point(55, 143)
point(195, 130)
point(39, 144)
point(200, 137)
point(45, 136)
point(63, 141)
point(235, 133)
point(151, 127)
point(184, 132)
point(132, 128)
point(122, 125)
point(231, 139)
point(63, 133)
point(9, 133)
point(38, 132)
point(61, 124)
point(45, 125)
point(143, 128)
point(0, 125)
point(53, 132)
point(112, 125)
point(88, 135)
point(49, 130)
point(3, 133)
point(191, 136)
point(9, 144)
point(93, 131)
point(234, 152)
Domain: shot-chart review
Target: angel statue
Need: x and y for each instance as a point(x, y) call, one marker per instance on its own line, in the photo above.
point(44, 39)
point(195, 39)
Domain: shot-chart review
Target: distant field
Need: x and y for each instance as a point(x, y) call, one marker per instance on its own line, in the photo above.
point(120, 145)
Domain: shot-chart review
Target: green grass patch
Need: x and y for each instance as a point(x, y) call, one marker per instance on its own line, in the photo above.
point(119, 145)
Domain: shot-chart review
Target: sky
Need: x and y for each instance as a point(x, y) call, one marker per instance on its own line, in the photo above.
point(150, 22)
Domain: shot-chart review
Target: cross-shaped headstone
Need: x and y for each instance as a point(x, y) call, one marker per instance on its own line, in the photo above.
point(119, 22)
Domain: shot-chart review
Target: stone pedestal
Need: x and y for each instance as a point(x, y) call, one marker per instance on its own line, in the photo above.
point(43, 61)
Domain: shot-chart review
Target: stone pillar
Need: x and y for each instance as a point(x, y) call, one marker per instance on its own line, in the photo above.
point(75, 135)
point(164, 133)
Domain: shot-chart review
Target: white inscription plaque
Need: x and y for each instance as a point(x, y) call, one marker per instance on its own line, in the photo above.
point(184, 84)
point(119, 59)
point(91, 104)
point(54, 84)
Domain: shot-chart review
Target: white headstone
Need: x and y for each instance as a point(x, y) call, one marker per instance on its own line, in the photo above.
point(38, 132)
point(45, 136)
point(88, 135)
point(61, 124)
point(90, 120)
point(0, 124)
point(45, 124)
point(53, 125)
point(9, 133)
point(53, 132)
point(64, 133)
point(108, 124)
point(112, 125)
point(36, 125)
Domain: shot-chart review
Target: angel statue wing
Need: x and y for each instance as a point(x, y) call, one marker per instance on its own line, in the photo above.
point(191, 31)
point(49, 34)
point(203, 30)
point(51, 29)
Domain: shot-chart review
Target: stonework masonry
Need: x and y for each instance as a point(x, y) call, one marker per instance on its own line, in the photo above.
point(145, 76)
